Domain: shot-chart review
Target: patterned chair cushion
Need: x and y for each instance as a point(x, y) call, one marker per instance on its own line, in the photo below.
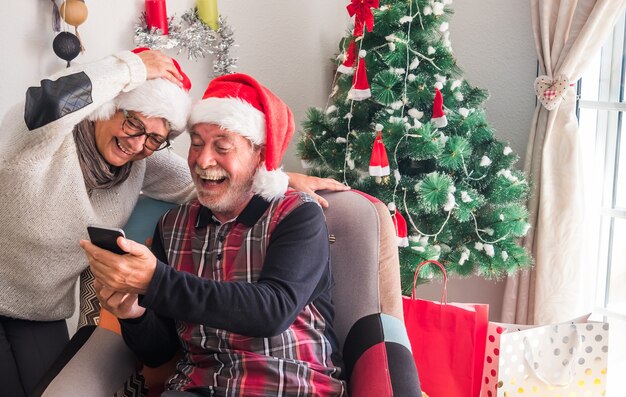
point(378, 359)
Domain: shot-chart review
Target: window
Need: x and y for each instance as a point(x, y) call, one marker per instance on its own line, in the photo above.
point(601, 111)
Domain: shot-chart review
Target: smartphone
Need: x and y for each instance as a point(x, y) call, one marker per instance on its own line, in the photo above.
point(106, 237)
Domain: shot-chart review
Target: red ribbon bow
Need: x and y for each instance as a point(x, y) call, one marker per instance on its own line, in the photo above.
point(364, 16)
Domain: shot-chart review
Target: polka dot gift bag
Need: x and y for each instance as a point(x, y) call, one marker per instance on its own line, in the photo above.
point(568, 359)
point(489, 387)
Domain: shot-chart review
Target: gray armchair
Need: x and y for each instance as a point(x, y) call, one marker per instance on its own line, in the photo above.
point(368, 318)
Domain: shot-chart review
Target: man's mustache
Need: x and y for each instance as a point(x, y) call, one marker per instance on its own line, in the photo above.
point(211, 173)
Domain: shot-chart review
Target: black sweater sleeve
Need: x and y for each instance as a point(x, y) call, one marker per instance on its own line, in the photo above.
point(151, 337)
point(295, 271)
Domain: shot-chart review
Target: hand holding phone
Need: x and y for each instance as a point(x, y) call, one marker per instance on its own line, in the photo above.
point(106, 237)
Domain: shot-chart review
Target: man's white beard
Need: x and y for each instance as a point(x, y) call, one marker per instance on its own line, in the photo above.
point(232, 199)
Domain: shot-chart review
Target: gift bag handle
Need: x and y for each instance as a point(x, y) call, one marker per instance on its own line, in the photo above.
point(445, 278)
point(550, 379)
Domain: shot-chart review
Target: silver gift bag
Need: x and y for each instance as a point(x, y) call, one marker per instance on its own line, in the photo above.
point(568, 359)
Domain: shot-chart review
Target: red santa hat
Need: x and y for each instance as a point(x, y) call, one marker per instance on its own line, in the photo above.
point(153, 98)
point(347, 67)
point(439, 117)
point(400, 224)
point(379, 162)
point(360, 86)
point(237, 102)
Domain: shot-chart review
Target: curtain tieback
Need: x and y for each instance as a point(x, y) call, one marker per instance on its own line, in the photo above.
point(550, 91)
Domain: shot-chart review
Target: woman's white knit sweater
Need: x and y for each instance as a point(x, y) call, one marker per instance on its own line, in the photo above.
point(45, 207)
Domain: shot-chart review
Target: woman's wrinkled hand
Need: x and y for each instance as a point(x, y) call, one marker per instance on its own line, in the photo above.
point(311, 184)
point(159, 65)
point(122, 305)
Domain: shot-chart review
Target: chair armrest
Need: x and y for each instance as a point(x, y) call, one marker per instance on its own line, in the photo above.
point(378, 358)
point(99, 368)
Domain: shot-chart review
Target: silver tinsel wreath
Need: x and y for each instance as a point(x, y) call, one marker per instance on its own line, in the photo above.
point(192, 36)
point(197, 39)
point(223, 62)
point(153, 38)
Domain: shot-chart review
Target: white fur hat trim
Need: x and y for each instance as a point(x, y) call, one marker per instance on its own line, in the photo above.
point(153, 98)
point(232, 114)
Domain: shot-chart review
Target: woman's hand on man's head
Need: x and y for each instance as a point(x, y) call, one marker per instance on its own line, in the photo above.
point(159, 65)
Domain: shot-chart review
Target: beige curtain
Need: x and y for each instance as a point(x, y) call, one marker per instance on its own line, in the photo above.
point(566, 33)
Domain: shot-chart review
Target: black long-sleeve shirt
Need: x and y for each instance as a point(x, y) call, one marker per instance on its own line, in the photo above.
point(296, 272)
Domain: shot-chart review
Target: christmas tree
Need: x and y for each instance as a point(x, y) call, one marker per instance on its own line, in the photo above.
point(405, 127)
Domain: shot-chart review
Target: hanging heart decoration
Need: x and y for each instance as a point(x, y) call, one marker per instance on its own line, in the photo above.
point(550, 91)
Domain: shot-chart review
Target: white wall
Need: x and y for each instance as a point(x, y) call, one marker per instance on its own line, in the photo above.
point(493, 43)
point(286, 44)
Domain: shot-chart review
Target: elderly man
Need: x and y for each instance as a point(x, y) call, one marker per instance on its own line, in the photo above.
point(79, 149)
point(240, 277)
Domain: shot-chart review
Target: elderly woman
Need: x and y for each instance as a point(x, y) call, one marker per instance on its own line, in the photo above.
point(79, 151)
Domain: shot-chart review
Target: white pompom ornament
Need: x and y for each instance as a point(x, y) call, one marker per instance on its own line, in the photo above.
point(438, 8)
point(415, 113)
point(485, 161)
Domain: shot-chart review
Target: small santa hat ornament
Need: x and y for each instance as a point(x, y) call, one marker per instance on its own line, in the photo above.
point(153, 98)
point(360, 86)
point(439, 119)
point(239, 103)
point(347, 66)
point(400, 224)
point(379, 162)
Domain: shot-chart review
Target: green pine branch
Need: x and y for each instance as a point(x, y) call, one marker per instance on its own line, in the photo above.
point(457, 185)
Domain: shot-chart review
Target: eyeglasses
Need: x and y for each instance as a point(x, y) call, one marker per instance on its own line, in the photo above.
point(133, 127)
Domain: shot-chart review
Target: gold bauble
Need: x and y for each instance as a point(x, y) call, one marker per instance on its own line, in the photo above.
point(74, 12)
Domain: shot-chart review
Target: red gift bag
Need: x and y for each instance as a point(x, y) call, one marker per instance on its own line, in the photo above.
point(448, 342)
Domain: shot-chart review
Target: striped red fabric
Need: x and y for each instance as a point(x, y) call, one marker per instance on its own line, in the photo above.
point(295, 363)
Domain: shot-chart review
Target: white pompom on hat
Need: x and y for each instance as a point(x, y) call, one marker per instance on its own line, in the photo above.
point(153, 98)
point(239, 103)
